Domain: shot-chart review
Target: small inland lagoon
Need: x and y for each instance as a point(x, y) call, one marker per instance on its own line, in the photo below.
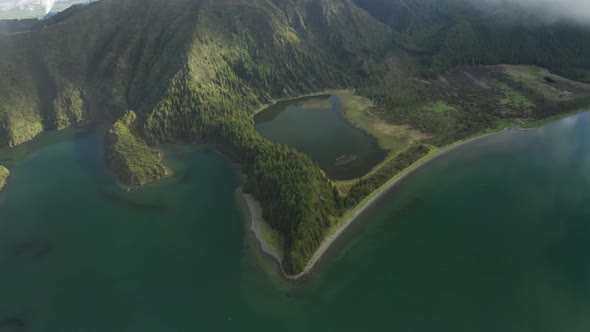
point(492, 236)
point(317, 127)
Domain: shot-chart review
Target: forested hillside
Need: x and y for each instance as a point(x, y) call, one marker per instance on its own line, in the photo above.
point(443, 34)
point(116, 55)
point(261, 52)
point(196, 71)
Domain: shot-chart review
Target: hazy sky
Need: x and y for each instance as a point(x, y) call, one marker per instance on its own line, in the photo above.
point(548, 10)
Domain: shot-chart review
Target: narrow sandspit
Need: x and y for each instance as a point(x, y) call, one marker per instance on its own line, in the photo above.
point(376, 196)
point(256, 224)
point(257, 220)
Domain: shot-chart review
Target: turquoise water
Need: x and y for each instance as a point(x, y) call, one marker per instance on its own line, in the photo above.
point(78, 254)
point(316, 126)
point(493, 236)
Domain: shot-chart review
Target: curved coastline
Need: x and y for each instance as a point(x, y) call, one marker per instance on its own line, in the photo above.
point(256, 212)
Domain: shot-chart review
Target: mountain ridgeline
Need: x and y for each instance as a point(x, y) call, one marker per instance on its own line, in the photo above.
point(443, 34)
point(197, 70)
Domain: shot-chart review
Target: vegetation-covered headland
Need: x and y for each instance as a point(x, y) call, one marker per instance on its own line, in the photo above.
point(197, 71)
point(4, 174)
point(134, 162)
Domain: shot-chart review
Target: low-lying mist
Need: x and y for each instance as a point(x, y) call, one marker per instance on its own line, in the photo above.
point(549, 11)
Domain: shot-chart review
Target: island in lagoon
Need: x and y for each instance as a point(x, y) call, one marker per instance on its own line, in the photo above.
point(345, 159)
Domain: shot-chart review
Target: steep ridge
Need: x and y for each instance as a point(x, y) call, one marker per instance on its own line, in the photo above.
point(117, 54)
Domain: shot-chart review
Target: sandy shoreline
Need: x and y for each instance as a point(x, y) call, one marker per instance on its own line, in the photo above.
point(256, 222)
point(363, 206)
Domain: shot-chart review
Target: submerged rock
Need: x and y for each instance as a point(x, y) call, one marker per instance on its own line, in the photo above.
point(31, 250)
point(15, 323)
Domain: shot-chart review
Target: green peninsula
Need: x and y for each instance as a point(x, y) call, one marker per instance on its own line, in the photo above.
point(134, 162)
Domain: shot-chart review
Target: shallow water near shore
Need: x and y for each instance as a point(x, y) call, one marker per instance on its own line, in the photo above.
point(492, 236)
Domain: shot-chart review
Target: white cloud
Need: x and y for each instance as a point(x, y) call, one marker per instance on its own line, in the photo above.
point(547, 10)
point(48, 4)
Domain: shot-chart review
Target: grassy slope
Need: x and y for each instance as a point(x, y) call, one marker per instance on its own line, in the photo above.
point(482, 98)
point(361, 112)
point(439, 106)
